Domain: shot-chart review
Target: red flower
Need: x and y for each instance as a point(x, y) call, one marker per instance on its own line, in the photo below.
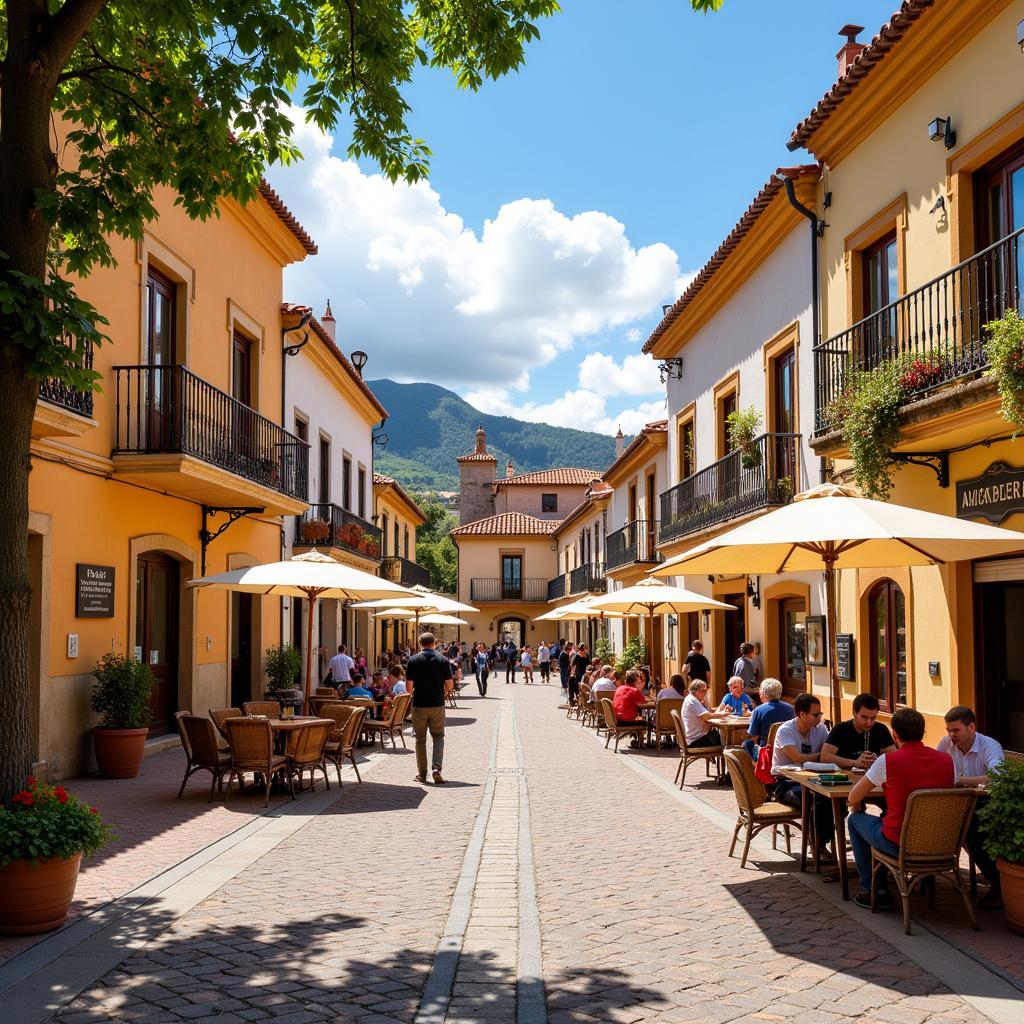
point(61, 794)
point(24, 797)
point(31, 780)
point(92, 810)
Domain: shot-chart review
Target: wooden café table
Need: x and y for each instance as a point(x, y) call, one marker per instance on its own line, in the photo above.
point(838, 796)
point(728, 726)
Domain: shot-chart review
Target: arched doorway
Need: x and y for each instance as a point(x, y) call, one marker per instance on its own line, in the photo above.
point(157, 635)
point(514, 629)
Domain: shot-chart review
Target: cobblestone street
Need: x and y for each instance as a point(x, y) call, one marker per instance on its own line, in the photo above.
point(549, 880)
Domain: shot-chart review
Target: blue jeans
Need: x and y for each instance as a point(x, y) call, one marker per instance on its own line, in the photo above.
point(750, 746)
point(866, 831)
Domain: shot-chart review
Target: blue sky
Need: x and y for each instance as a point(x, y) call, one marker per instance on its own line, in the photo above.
point(566, 202)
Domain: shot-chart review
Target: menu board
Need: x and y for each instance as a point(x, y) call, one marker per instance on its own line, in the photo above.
point(844, 656)
point(94, 594)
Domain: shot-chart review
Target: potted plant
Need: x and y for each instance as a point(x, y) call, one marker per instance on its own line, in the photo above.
point(744, 426)
point(120, 696)
point(283, 665)
point(369, 546)
point(633, 654)
point(1002, 826)
point(44, 833)
point(315, 531)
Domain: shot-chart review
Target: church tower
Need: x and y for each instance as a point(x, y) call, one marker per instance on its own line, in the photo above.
point(477, 473)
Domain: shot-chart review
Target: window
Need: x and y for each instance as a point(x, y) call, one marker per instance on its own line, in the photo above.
point(784, 413)
point(241, 368)
point(549, 503)
point(325, 470)
point(395, 551)
point(511, 577)
point(302, 433)
point(726, 407)
point(887, 622)
point(361, 495)
point(160, 319)
point(405, 542)
point(881, 276)
point(346, 484)
point(1000, 198)
point(687, 450)
point(384, 535)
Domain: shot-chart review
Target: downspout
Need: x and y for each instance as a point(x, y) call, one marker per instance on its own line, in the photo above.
point(816, 228)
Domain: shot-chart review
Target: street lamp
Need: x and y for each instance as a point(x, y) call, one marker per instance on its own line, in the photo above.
point(359, 359)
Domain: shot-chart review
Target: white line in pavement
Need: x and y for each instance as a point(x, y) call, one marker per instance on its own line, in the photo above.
point(966, 977)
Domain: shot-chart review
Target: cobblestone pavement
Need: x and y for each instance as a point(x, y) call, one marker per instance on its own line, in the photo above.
point(550, 880)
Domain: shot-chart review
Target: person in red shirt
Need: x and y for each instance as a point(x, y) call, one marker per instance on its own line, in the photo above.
point(900, 772)
point(628, 698)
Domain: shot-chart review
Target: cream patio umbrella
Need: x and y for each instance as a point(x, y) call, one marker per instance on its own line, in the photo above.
point(426, 619)
point(576, 610)
point(829, 528)
point(419, 600)
point(311, 575)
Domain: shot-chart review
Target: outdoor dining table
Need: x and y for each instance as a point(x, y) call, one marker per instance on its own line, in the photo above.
point(729, 725)
point(838, 794)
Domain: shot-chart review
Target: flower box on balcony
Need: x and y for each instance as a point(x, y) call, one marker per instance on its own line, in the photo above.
point(315, 531)
point(369, 546)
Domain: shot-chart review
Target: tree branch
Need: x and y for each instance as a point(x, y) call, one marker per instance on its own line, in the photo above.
point(66, 29)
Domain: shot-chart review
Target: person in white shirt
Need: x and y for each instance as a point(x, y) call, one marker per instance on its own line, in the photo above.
point(699, 733)
point(674, 690)
point(341, 666)
point(974, 756)
point(544, 660)
point(605, 682)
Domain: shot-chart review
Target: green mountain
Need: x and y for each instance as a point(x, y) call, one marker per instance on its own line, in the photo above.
point(430, 426)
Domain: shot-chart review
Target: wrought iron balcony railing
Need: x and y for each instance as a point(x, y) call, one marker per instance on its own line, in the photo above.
point(556, 588)
point(587, 579)
point(635, 542)
point(327, 525)
point(402, 570)
point(498, 589)
point(938, 329)
point(744, 480)
point(168, 409)
point(56, 392)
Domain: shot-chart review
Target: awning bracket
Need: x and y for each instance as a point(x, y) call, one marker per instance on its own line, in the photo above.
point(937, 462)
point(233, 513)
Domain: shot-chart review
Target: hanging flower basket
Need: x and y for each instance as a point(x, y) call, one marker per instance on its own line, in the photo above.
point(315, 531)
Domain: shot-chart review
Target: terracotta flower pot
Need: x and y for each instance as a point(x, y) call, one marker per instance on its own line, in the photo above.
point(1011, 878)
point(35, 898)
point(119, 751)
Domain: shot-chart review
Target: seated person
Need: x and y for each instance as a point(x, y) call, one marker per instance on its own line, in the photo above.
point(857, 742)
point(974, 756)
point(772, 709)
point(699, 732)
point(737, 701)
point(799, 740)
point(356, 688)
point(628, 698)
point(396, 680)
point(899, 772)
point(605, 683)
point(674, 690)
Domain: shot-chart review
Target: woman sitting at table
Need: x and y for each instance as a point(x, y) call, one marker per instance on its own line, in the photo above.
point(628, 699)
point(396, 680)
point(797, 741)
point(696, 718)
point(737, 701)
point(674, 690)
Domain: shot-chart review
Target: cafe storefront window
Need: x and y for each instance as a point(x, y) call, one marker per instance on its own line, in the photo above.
point(887, 621)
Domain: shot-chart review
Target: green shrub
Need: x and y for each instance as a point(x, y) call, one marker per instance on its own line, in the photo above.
point(283, 665)
point(120, 695)
point(604, 649)
point(1005, 348)
point(744, 426)
point(633, 654)
point(1001, 818)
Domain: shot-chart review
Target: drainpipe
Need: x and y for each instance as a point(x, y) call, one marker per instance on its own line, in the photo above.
point(816, 228)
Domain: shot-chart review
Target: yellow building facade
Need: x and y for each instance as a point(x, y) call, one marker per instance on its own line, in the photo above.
point(131, 485)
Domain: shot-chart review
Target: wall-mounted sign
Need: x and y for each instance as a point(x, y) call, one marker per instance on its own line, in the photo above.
point(844, 656)
point(996, 494)
point(94, 595)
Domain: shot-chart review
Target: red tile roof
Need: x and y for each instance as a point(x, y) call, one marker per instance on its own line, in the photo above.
point(595, 494)
point(761, 202)
point(657, 427)
point(294, 309)
point(379, 480)
point(508, 524)
point(872, 55)
point(565, 476)
point(276, 203)
point(477, 457)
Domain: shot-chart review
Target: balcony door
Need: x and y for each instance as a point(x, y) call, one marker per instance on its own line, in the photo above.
point(243, 440)
point(880, 263)
point(728, 468)
point(650, 536)
point(1001, 212)
point(159, 380)
point(156, 633)
point(511, 577)
point(784, 415)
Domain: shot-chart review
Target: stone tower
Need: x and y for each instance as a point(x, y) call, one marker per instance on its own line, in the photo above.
point(477, 473)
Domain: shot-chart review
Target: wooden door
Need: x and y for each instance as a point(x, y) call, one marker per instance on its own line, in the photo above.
point(728, 468)
point(1000, 696)
point(245, 437)
point(735, 633)
point(161, 387)
point(241, 649)
point(782, 452)
point(792, 646)
point(156, 634)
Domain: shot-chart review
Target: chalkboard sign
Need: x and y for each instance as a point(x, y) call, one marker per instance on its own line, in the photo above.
point(94, 594)
point(844, 656)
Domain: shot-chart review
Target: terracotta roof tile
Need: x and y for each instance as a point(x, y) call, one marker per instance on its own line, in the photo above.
point(565, 476)
point(872, 54)
point(657, 427)
point(477, 457)
point(761, 202)
point(291, 222)
point(380, 480)
point(508, 524)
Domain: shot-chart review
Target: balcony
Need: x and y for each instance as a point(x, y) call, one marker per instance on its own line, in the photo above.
point(401, 570)
point(940, 327)
point(62, 410)
point(587, 579)
point(175, 432)
point(740, 483)
point(484, 589)
point(635, 542)
point(556, 588)
point(324, 525)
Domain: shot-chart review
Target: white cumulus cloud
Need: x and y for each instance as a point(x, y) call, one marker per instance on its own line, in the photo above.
point(431, 299)
point(635, 375)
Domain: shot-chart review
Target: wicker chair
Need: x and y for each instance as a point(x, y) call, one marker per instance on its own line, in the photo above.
point(270, 708)
point(252, 750)
point(934, 828)
point(694, 755)
point(307, 749)
point(595, 707)
point(755, 812)
point(393, 724)
point(220, 715)
point(199, 738)
point(613, 727)
point(325, 691)
point(664, 724)
point(345, 746)
point(317, 705)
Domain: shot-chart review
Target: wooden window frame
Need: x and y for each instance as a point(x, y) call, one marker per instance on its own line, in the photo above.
point(728, 387)
point(890, 218)
point(346, 481)
point(684, 419)
point(544, 503)
point(321, 490)
point(887, 701)
point(788, 339)
point(361, 491)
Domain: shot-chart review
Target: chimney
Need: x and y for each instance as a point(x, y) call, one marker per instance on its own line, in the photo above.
point(620, 443)
point(330, 324)
point(481, 440)
point(510, 470)
point(850, 50)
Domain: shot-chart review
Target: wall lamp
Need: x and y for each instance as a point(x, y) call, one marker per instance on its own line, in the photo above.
point(359, 359)
point(671, 369)
point(941, 130)
point(754, 592)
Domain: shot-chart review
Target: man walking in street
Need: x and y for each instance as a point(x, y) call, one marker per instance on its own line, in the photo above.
point(544, 660)
point(341, 667)
point(429, 679)
point(483, 668)
point(564, 661)
point(511, 653)
point(696, 666)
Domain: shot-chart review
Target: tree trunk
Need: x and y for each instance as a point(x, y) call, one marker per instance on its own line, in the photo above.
point(27, 165)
